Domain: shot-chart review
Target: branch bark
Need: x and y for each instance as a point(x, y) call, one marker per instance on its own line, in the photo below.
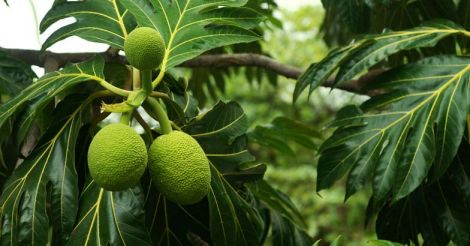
point(38, 58)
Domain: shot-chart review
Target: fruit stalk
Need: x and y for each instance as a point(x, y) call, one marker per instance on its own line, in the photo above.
point(146, 79)
point(126, 117)
point(162, 117)
point(136, 79)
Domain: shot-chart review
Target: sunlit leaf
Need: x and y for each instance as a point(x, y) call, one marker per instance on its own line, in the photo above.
point(191, 27)
point(369, 51)
point(415, 126)
point(98, 21)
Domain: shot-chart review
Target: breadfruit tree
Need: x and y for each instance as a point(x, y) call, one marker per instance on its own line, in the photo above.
point(66, 178)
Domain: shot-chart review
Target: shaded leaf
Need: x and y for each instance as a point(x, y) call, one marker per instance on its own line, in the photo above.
point(36, 96)
point(281, 131)
point(288, 226)
point(47, 176)
point(438, 211)
point(14, 75)
point(221, 133)
point(110, 218)
point(233, 221)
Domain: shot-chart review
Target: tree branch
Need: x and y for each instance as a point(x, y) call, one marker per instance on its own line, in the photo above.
point(38, 58)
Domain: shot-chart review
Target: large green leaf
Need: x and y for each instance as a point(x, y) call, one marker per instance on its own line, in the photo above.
point(110, 218)
point(42, 193)
point(14, 75)
point(95, 20)
point(367, 52)
point(191, 27)
point(439, 212)
point(418, 123)
point(35, 97)
point(233, 221)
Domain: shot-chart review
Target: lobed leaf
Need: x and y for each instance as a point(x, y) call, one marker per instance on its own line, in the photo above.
point(42, 193)
point(356, 58)
point(404, 134)
point(97, 21)
point(439, 212)
point(35, 97)
point(191, 27)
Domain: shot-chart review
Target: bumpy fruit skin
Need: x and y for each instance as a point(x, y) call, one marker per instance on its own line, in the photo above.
point(179, 168)
point(144, 48)
point(117, 157)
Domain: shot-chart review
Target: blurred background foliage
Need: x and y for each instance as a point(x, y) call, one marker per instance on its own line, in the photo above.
point(298, 42)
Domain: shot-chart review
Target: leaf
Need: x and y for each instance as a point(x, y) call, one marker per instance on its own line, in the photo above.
point(284, 232)
point(14, 75)
point(97, 21)
point(221, 133)
point(283, 130)
point(438, 211)
point(383, 243)
point(427, 35)
point(173, 224)
point(419, 122)
point(318, 73)
point(110, 218)
point(288, 226)
point(36, 96)
point(369, 51)
point(191, 27)
point(233, 221)
point(42, 193)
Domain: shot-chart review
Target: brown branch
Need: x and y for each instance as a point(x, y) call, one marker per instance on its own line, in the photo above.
point(38, 58)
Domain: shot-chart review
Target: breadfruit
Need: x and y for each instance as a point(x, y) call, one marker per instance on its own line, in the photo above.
point(144, 48)
point(179, 168)
point(117, 157)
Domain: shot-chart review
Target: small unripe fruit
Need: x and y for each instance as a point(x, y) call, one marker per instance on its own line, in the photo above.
point(179, 168)
point(144, 48)
point(117, 157)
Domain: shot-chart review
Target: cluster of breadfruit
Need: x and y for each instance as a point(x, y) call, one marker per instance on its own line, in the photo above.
point(118, 156)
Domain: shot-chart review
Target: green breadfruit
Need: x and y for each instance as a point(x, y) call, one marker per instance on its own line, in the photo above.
point(179, 168)
point(144, 48)
point(117, 157)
